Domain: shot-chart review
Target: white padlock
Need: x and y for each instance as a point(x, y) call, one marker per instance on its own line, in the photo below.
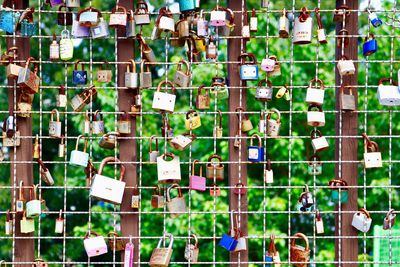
point(346, 66)
point(131, 76)
point(284, 25)
point(318, 141)
point(372, 156)
point(302, 30)
point(388, 95)
point(269, 173)
point(315, 116)
point(182, 141)
point(55, 126)
point(315, 95)
point(362, 220)
point(168, 171)
point(164, 101)
point(319, 223)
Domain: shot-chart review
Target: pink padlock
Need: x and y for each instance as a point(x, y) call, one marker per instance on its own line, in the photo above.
point(197, 182)
point(94, 244)
point(268, 64)
point(218, 17)
point(239, 189)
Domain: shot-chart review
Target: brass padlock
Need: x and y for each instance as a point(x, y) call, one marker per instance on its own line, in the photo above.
point(104, 75)
point(45, 173)
point(215, 169)
point(109, 140)
point(162, 255)
point(273, 125)
point(145, 78)
point(182, 27)
point(299, 254)
point(244, 121)
point(24, 105)
point(192, 250)
point(176, 206)
point(79, 101)
point(218, 130)
point(192, 120)
point(157, 199)
point(115, 242)
point(36, 148)
point(203, 100)
point(13, 69)
point(182, 78)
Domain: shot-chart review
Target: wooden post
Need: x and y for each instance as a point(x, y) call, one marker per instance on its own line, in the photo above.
point(349, 246)
point(24, 250)
point(127, 147)
point(234, 51)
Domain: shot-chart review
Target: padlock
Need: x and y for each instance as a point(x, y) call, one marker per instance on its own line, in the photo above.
point(59, 226)
point(27, 225)
point(94, 244)
point(87, 128)
point(202, 25)
point(73, 3)
point(283, 91)
point(373, 18)
point(244, 121)
point(192, 120)
point(214, 168)
point(372, 156)
point(316, 95)
point(66, 46)
point(108, 189)
point(268, 63)
point(345, 66)
point(104, 75)
point(238, 139)
point(306, 200)
point(54, 49)
point(215, 191)
point(239, 189)
point(314, 165)
point(192, 250)
point(115, 242)
point(182, 78)
point(61, 147)
point(161, 256)
point(79, 31)
point(318, 141)
point(269, 173)
point(341, 13)
point(362, 220)
point(109, 140)
point(130, 31)
point(118, 17)
point(64, 17)
point(388, 95)
point(187, 5)
point(79, 77)
point(166, 130)
point(27, 26)
point(24, 105)
point(12, 68)
point(176, 206)
point(142, 15)
point(248, 69)
point(131, 76)
point(273, 125)
point(217, 17)
point(264, 91)
point(145, 77)
point(276, 71)
point(302, 29)
point(197, 182)
point(136, 106)
point(175, 40)
point(370, 45)
point(101, 30)
point(272, 255)
point(45, 173)
point(164, 101)
point(299, 255)
point(124, 124)
point(218, 130)
point(315, 116)
point(79, 158)
point(182, 26)
point(255, 153)
point(182, 141)
point(284, 25)
point(321, 35)
point(389, 220)
point(55, 127)
point(202, 100)
point(89, 17)
point(253, 21)
point(319, 223)
point(340, 193)
point(153, 154)
point(8, 18)
point(168, 171)
point(347, 101)
point(61, 98)
point(211, 49)
point(39, 263)
point(9, 125)
point(246, 31)
point(242, 244)
point(219, 89)
point(97, 123)
point(20, 202)
point(8, 223)
point(33, 206)
point(29, 80)
point(227, 29)
point(14, 140)
point(229, 241)
point(165, 20)
point(157, 199)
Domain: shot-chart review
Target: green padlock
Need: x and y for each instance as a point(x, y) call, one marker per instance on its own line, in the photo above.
point(219, 88)
point(340, 193)
point(314, 165)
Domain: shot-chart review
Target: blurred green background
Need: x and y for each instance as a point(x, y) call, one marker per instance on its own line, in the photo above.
point(269, 198)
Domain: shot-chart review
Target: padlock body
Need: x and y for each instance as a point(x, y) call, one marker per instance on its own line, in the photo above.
point(241, 244)
point(269, 176)
point(228, 242)
point(160, 257)
point(145, 79)
point(268, 64)
point(167, 24)
point(302, 31)
point(59, 227)
point(164, 101)
point(273, 127)
point(388, 95)
point(217, 18)
point(370, 47)
point(131, 80)
point(314, 169)
point(95, 246)
point(264, 93)
point(346, 67)
point(197, 183)
point(372, 160)
point(388, 222)
point(79, 77)
point(315, 96)
point(348, 102)
point(255, 154)
point(321, 36)
point(249, 72)
point(33, 208)
point(283, 26)
point(66, 49)
point(107, 189)
point(361, 222)
point(319, 225)
point(191, 253)
point(186, 5)
point(316, 118)
point(55, 129)
point(343, 195)
point(193, 122)
point(176, 206)
point(319, 143)
point(79, 158)
point(157, 201)
point(181, 79)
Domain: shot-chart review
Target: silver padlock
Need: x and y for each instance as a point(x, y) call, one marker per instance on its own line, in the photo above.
point(202, 25)
point(79, 101)
point(347, 101)
point(192, 250)
point(45, 173)
point(131, 76)
point(97, 123)
point(109, 140)
point(315, 116)
point(130, 25)
point(124, 124)
point(182, 78)
point(345, 66)
point(61, 147)
point(55, 126)
point(362, 220)
point(269, 173)
point(264, 90)
point(319, 223)
point(302, 30)
point(142, 15)
point(273, 125)
point(153, 154)
point(284, 25)
point(388, 95)
point(80, 158)
point(321, 31)
point(389, 220)
point(145, 77)
point(176, 206)
point(182, 141)
point(101, 30)
point(262, 123)
point(218, 130)
point(372, 156)
point(315, 95)
point(165, 21)
point(61, 98)
point(318, 141)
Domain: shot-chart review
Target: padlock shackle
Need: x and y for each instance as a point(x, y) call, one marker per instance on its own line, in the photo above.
point(220, 118)
point(27, 14)
point(231, 18)
point(156, 190)
point(315, 134)
point(342, 37)
point(196, 241)
point(317, 81)
point(369, 145)
point(200, 89)
point(21, 191)
point(241, 112)
point(167, 83)
point(77, 142)
point(89, 234)
point(8, 215)
point(111, 160)
point(193, 167)
point(318, 215)
point(131, 66)
point(151, 143)
point(104, 62)
point(313, 158)
point(274, 111)
point(271, 248)
point(90, 170)
point(214, 157)
point(312, 107)
point(87, 93)
point(76, 65)
point(391, 214)
point(338, 183)
point(255, 136)
point(64, 6)
point(166, 155)
point(28, 62)
point(162, 240)
point(32, 192)
point(342, 89)
point(218, 79)
point(117, 8)
point(370, 36)
point(304, 15)
point(193, 136)
point(365, 211)
point(242, 58)
point(184, 62)
point(142, 64)
point(387, 79)
point(169, 191)
point(60, 214)
point(42, 165)
point(191, 111)
point(318, 16)
point(113, 234)
point(97, 116)
point(90, 9)
point(55, 111)
point(265, 82)
point(141, 5)
point(300, 236)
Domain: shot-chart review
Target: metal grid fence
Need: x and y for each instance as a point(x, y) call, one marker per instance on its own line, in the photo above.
point(268, 208)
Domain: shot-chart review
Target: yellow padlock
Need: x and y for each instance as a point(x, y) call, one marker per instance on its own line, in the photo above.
point(192, 120)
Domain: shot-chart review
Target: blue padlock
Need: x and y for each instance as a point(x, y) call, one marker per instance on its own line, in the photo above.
point(268, 259)
point(187, 5)
point(8, 19)
point(248, 69)
point(28, 27)
point(255, 153)
point(228, 242)
point(79, 76)
point(375, 21)
point(370, 45)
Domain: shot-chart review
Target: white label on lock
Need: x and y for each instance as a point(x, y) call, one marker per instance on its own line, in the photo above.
point(246, 31)
point(319, 224)
point(135, 201)
point(269, 176)
point(253, 24)
point(59, 229)
point(302, 31)
point(253, 153)
point(168, 171)
point(321, 35)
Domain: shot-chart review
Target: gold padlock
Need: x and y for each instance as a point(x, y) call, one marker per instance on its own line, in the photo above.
point(115, 242)
point(192, 120)
point(246, 124)
point(299, 254)
point(218, 130)
point(162, 255)
point(203, 100)
point(24, 106)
